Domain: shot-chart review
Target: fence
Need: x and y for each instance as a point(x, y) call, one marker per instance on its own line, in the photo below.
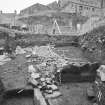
point(41, 29)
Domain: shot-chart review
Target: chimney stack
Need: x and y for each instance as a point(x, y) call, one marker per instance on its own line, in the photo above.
point(15, 12)
point(1, 12)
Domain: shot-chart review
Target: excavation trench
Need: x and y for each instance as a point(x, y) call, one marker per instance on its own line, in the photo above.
point(70, 90)
point(15, 98)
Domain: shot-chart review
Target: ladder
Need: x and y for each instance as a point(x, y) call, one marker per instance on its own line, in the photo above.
point(54, 27)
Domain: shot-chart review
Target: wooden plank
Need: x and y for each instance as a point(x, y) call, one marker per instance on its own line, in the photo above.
point(39, 97)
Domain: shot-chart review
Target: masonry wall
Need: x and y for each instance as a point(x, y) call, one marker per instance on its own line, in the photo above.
point(103, 12)
point(88, 10)
point(95, 3)
point(81, 8)
point(71, 8)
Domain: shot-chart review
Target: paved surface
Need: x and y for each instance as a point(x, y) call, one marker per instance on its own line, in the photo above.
point(14, 73)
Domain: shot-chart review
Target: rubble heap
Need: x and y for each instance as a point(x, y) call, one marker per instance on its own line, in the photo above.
point(94, 43)
point(44, 63)
point(98, 87)
point(4, 59)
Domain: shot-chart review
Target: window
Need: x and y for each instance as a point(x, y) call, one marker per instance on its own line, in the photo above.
point(80, 13)
point(87, 8)
point(80, 7)
point(93, 9)
point(72, 5)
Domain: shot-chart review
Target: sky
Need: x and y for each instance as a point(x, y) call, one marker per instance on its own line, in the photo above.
point(8, 6)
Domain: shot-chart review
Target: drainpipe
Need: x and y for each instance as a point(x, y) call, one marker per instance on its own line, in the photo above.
point(102, 3)
point(15, 13)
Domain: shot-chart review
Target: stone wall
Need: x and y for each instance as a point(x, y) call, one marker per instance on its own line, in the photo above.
point(93, 44)
point(94, 3)
point(34, 9)
point(83, 7)
point(43, 39)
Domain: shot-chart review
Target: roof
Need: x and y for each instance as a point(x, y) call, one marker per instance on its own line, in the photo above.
point(53, 5)
point(35, 8)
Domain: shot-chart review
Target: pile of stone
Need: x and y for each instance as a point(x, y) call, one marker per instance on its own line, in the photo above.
point(93, 40)
point(44, 63)
point(19, 50)
point(98, 88)
point(4, 59)
point(45, 81)
point(44, 54)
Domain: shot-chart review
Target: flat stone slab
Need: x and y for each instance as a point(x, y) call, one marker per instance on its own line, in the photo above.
point(14, 74)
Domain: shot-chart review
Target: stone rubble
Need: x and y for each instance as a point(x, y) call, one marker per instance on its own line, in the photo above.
point(44, 63)
point(4, 59)
point(97, 90)
point(19, 50)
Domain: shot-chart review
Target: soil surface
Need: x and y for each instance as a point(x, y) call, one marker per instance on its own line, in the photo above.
point(73, 53)
point(74, 93)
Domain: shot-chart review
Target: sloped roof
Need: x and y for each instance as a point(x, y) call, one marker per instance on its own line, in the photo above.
point(67, 9)
point(53, 5)
point(39, 7)
point(36, 7)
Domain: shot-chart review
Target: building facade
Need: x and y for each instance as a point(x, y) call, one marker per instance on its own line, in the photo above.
point(34, 9)
point(83, 7)
point(8, 18)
